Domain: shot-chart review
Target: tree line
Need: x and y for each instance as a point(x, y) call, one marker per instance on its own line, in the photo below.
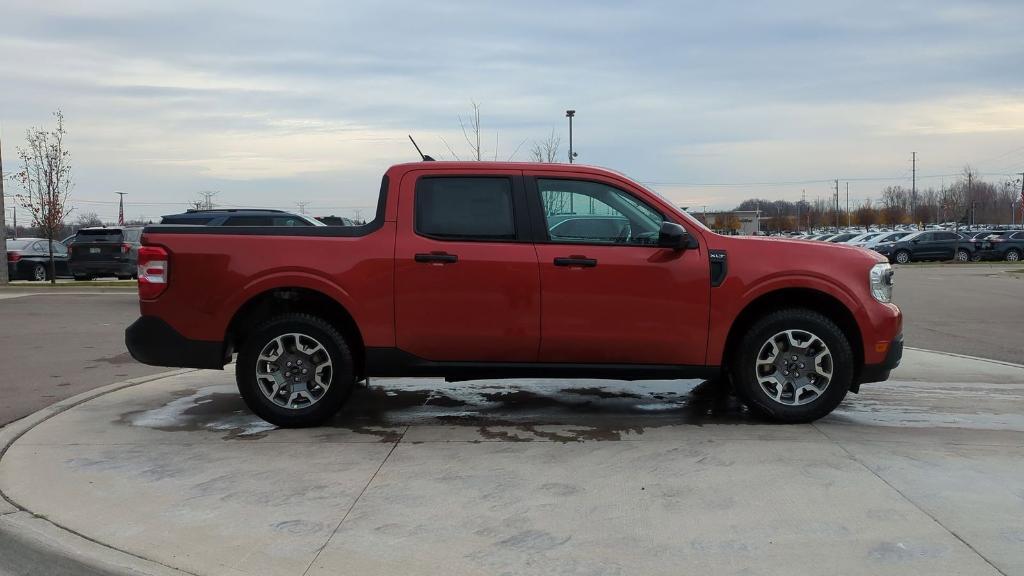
point(969, 200)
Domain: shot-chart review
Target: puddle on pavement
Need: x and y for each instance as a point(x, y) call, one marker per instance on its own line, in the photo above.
point(593, 410)
point(528, 409)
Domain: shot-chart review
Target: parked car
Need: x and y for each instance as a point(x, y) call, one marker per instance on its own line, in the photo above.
point(861, 239)
point(449, 279)
point(1004, 245)
point(927, 245)
point(840, 238)
point(29, 259)
point(240, 217)
point(885, 237)
point(606, 228)
point(105, 251)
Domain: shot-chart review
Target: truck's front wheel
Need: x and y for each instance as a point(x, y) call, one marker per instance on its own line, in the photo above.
point(793, 365)
point(295, 370)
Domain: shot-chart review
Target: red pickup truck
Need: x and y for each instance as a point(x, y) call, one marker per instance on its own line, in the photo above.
point(502, 270)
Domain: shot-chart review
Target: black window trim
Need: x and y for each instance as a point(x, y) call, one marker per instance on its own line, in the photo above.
point(520, 217)
point(539, 221)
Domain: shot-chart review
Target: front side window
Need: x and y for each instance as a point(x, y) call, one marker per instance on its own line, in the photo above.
point(465, 208)
point(577, 211)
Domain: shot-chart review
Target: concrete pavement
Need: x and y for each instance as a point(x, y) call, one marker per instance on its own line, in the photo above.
point(920, 475)
point(975, 309)
point(60, 344)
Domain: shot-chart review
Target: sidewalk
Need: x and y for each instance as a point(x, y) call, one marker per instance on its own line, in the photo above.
point(920, 475)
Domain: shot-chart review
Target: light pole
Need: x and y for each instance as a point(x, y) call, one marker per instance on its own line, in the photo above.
point(569, 114)
point(3, 225)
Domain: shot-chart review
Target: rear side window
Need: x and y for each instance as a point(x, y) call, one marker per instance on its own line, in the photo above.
point(465, 208)
point(185, 220)
point(945, 236)
point(1018, 236)
point(265, 220)
point(99, 235)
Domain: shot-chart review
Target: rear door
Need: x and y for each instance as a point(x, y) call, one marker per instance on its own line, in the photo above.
point(467, 281)
point(614, 296)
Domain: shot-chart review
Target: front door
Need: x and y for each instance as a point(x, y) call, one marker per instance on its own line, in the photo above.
point(608, 293)
point(467, 285)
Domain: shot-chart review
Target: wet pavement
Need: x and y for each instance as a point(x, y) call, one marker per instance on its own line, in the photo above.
point(920, 475)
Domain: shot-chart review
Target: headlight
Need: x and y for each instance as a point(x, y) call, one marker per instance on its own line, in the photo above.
point(881, 281)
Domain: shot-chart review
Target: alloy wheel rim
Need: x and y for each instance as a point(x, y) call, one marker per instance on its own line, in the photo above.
point(902, 258)
point(39, 273)
point(963, 256)
point(794, 367)
point(1012, 256)
point(294, 371)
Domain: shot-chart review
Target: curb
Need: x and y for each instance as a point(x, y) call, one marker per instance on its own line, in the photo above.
point(43, 539)
point(966, 357)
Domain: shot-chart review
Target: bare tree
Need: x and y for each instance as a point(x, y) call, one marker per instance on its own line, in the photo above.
point(87, 220)
point(472, 134)
point(46, 179)
point(547, 149)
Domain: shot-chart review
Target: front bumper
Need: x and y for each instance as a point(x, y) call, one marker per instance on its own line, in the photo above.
point(152, 341)
point(880, 372)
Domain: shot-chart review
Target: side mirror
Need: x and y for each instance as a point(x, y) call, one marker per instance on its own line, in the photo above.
point(673, 236)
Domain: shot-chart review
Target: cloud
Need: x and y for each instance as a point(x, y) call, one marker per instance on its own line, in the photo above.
point(166, 98)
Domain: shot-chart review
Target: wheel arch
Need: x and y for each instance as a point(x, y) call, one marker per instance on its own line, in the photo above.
point(808, 298)
point(294, 299)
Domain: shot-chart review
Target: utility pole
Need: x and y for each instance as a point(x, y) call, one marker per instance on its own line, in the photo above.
point(120, 208)
point(803, 202)
point(970, 199)
point(208, 199)
point(570, 114)
point(913, 188)
point(836, 205)
point(847, 204)
point(302, 207)
point(3, 223)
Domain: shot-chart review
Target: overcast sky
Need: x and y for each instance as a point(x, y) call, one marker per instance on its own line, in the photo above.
point(709, 102)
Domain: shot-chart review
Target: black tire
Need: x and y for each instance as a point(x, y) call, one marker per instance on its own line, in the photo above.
point(902, 254)
point(39, 273)
point(743, 365)
point(1013, 255)
point(342, 378)
point(963, 255)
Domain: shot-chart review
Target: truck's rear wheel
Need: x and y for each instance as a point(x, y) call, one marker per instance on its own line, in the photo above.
point(793, 365)
point(295, 370)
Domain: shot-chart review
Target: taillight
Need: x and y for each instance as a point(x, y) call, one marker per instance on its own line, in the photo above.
point(153, 271)
point(13, 256)
point(126, 248)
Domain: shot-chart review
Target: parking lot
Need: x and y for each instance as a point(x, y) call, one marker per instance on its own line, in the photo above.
point(920, 475)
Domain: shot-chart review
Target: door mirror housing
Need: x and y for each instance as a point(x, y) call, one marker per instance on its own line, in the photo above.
point(674, 236)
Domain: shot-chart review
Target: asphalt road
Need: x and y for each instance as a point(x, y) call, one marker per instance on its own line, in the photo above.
point(977, 310)
point(54, 346)
point(61, 344)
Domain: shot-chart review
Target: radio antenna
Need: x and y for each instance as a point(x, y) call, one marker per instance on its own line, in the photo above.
point(418, 151)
